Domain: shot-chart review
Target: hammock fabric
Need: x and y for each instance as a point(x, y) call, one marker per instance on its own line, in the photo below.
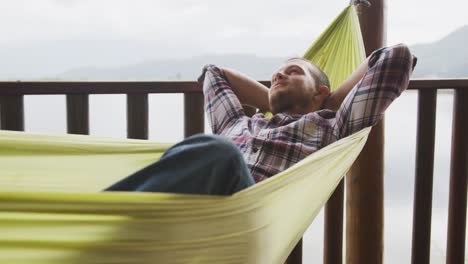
point(52, 210)
point(339, 50)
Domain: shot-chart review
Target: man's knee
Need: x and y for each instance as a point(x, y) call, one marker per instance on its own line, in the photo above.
point(231, 173)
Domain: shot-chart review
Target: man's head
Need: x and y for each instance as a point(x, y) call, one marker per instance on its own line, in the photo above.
point(298, 87)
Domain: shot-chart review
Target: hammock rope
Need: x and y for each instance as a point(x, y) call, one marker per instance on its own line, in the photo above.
point(51, 210)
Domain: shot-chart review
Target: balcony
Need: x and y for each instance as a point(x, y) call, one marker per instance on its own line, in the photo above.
point(77, 112)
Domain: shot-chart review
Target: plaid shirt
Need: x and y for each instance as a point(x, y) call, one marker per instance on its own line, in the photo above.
point(272, 145)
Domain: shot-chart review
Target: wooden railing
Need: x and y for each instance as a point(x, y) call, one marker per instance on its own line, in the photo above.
point(77, 96)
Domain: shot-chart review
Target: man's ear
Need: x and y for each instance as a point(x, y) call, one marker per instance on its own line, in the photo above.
point(324, 91)
point(323, 96)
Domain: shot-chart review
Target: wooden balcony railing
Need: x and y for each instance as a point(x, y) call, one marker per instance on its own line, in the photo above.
point(77, 94)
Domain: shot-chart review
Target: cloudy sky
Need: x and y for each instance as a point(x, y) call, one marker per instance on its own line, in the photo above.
point(71, 33)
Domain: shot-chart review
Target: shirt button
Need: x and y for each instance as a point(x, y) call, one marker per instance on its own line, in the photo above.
point(254, 149)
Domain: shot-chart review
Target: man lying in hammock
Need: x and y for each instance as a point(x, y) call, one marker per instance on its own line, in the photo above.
point(307, 117)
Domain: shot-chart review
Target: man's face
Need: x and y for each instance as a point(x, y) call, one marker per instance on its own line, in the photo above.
point(292, 87)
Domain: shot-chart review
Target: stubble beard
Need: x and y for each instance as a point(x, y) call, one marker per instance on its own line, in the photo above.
point(281, 103)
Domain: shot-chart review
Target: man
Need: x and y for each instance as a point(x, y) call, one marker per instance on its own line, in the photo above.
point(306, 117)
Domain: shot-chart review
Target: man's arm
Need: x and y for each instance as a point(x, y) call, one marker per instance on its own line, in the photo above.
point(387, 76)
point(222, 106)
point(336, 97)
point(249, 91)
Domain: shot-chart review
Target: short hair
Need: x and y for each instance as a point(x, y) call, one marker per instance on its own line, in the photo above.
point(319, 76)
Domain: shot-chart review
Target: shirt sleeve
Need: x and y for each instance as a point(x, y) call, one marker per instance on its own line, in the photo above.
point(386, 78)
point(222, 106)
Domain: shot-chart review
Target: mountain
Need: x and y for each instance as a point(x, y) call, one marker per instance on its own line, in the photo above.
point(178, 69)
point(446, 58)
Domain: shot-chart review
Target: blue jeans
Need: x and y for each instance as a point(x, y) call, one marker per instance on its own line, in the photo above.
point(200, 164)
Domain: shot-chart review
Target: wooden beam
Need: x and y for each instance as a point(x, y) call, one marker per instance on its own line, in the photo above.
point(131, 87)
point(98, 87)
point(364, 182)
point(439, 84)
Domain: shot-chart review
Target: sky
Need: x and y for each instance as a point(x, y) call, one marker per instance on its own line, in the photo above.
point(119, 32)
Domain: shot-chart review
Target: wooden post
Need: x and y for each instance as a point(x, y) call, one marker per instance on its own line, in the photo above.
point(78, 114)
point(137, 116)
point(333, 227)
point(296, 254)
point(456, 229)
point(249, 111)
point(422, 209)
point(194, 115)
point(364, 182)
point(12, 112)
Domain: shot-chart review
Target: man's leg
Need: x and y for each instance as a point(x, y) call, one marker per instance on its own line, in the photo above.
point(201, 164)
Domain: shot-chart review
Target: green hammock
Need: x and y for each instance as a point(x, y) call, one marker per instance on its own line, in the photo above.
point(52, 210)
point(339, 50)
